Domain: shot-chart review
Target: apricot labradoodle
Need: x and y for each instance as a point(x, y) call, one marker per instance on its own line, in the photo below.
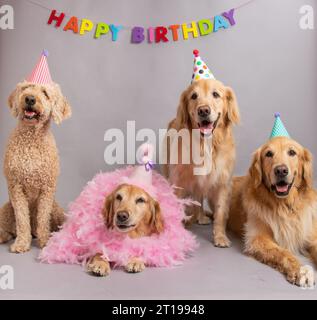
point(31, 166)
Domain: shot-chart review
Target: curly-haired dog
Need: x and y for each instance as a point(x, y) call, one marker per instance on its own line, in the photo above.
point(132, 211)
point(31, 166)
point(275, 209)
point(211, 107)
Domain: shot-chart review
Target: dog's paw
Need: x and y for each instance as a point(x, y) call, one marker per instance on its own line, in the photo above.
point(135, 266)
point(98, 268)
point(20, 247)
point(42, 242)
point(188, 221)
point(221, 241)
point(204, 220)
point(306, 277)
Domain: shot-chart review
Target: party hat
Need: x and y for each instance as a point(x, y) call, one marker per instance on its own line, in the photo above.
point(279, 129)
point(143, 172)
point(41, 72)
point(201, 71)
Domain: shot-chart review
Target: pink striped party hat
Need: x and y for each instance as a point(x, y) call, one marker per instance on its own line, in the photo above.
point(41, 72)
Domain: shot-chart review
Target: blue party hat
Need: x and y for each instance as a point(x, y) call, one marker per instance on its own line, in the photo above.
point(279, 129)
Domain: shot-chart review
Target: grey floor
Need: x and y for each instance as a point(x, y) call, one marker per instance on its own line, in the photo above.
point(210, 274)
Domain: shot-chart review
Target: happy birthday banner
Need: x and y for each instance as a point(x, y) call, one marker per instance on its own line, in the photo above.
point(139, 34)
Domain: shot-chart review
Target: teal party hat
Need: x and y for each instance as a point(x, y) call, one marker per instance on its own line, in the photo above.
point(279, 129)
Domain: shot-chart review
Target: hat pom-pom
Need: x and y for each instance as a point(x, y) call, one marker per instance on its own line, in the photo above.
point(196, 53)
point(45, 53)
point(277, 115)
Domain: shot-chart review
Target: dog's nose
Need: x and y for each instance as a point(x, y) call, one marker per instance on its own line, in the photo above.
point(30, 100)
point(122, 216)
point(281, 171)
point(204, 111)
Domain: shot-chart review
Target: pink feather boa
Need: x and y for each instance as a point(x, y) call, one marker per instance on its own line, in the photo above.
point(84, 233)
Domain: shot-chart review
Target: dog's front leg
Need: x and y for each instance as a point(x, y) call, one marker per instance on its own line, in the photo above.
point(44, 212)
point(219, 202)
point(23, 222)
point(264, 249)
point(312, 245)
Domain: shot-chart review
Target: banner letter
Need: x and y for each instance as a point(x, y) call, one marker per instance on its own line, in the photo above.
point(53, 17)
point(174, 28)
point(72, 24)
point(220, 22)
point(160, 34)
point(115, 30)
point(205, 27)
point(102, 28)
point(229, 16)
point(86, 26)
point(193, 29)
point(138, 35)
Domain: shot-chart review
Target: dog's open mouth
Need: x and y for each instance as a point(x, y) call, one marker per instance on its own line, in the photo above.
point(208, 127)
point(282, 188)
point(31, 115)
point(125, 227)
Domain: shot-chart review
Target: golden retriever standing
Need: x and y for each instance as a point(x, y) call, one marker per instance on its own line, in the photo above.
point(275, 208)
point(211, 108)
point(31, 166)
point(130, 210)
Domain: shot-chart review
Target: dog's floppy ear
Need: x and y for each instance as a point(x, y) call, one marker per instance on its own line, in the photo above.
point(182, 117)
point(13, 102)
point(255, 170)
point(156, 218)
point(61, 109)
point(233, 115)
point(108, 212)
point(307, 168)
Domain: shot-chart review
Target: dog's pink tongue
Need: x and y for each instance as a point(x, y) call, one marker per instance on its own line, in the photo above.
point(207, 130)
point(29, 113)
point(282, 189)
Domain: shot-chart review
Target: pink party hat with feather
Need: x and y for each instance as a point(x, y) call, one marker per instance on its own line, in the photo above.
point(142, 173)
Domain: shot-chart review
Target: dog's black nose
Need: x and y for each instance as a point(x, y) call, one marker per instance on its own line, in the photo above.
point(281, 171)
point(204, 111)
point(30, 100)
point(122, 216)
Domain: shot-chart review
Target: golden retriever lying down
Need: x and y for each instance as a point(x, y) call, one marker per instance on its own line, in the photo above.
point(275, 208)
point(131, 210)
point(211, 107)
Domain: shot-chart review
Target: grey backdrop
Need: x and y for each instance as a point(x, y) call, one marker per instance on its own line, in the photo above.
point(266, 58)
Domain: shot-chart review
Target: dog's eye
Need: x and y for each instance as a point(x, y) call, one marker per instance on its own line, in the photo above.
point(140, 200)
point(194, 96)
point(45, 93)
point(292, 153)
point(119, 197)
point(269, 154)
point(216, 95)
